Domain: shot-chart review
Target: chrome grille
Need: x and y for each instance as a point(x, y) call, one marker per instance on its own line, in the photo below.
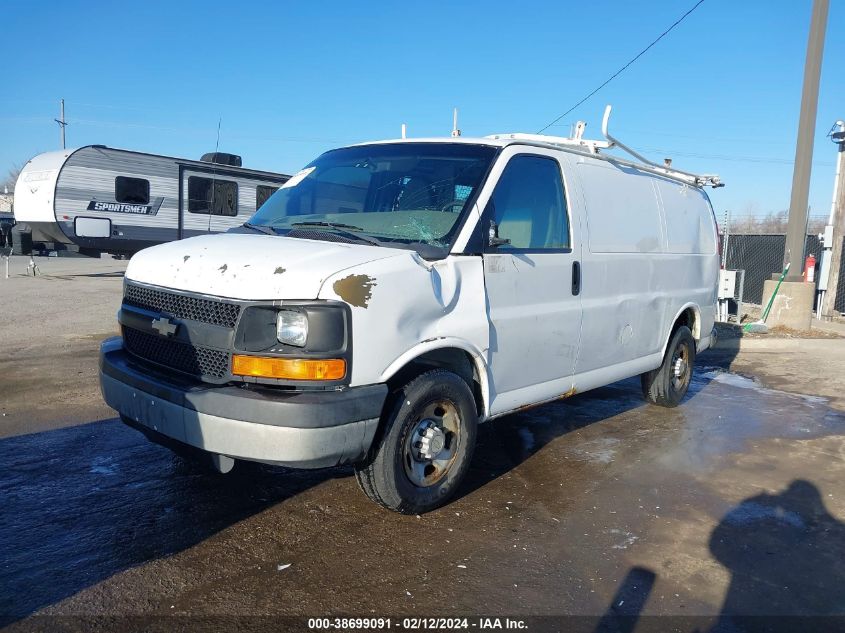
point(183, 357)
point(182, 306)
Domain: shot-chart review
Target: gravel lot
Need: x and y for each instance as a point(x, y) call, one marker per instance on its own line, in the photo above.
point(730, 504)
point(50, 333)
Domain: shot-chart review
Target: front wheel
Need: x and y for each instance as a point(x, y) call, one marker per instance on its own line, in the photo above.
point(426, 445)
point(668, 384)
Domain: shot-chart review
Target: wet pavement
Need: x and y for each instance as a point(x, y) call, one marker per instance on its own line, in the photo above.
point(725, 505)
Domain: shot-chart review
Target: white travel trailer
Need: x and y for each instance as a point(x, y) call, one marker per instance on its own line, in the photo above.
point(391, 296)
point(100, 199)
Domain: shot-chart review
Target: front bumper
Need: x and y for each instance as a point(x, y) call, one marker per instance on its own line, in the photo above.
point(306, 429)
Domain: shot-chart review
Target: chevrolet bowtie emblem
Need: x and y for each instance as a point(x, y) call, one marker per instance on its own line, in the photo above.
point(164, 327)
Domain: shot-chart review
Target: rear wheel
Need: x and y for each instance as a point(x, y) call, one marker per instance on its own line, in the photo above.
point(668, 384)
point(426, 445)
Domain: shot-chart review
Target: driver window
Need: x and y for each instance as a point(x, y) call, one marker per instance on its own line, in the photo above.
point(529, 207)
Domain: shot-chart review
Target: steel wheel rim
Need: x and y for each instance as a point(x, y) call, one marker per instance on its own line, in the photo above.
point(680, 367)
point(426, 462)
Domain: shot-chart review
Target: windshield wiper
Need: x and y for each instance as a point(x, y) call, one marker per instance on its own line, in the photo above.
point(261, 228)
point(348, 230)
point(335, 225)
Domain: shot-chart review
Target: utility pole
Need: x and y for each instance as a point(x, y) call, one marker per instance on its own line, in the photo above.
point(62, 123)
point(834, 231)
point(795, 231)
point(793, 300)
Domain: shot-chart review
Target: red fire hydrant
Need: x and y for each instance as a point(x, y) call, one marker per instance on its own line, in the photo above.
point(810, 269)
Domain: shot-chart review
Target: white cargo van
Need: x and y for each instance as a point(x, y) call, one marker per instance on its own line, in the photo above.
point(391, 296)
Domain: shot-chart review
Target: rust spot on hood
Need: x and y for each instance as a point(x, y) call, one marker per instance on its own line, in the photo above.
point(356, 290)
point(279, 271)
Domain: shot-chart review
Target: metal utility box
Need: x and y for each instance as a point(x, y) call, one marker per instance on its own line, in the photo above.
point(727, 284)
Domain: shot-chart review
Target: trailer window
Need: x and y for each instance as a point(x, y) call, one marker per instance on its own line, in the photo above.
point(131, 190)
point(262, 193)
point(212, 196)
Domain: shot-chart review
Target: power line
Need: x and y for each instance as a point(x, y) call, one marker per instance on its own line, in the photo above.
point(619, 72)
point(729, 157)
point(205, 131)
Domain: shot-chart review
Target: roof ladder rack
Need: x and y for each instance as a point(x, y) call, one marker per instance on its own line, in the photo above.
point(702, 180)
point(578, 142)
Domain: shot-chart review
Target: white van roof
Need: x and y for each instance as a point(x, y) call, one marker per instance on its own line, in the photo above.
point(577, 145)
point(593, 149)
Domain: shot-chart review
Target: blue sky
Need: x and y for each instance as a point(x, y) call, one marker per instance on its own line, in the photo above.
point(721, 93)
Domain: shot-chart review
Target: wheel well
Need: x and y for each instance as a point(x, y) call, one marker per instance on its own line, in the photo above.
point(455, 360)
point(689, 318)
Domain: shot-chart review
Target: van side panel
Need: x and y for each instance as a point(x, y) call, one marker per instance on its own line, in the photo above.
point(691, 253)
point(622, 210)
point(623, 297)
point(688, 218)
point(651, 254)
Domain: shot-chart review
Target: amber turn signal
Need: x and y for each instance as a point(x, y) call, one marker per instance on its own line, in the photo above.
point(288, 368)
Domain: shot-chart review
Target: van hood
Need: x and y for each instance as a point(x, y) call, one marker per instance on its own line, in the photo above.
point(251, 267)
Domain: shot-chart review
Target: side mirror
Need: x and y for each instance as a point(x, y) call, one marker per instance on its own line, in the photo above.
point(493, 238)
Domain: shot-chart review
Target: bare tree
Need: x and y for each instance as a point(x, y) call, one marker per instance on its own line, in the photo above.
point(11, 177)
point(773, 223)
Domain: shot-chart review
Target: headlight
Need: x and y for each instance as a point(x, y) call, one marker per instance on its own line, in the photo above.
point(292, 327)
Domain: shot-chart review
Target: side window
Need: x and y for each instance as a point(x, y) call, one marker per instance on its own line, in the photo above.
point(529, 207)
point(131, 190)
point(262, 193)
point(212, 196)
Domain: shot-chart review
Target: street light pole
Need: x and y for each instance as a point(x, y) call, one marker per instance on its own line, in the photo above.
point(834, 232)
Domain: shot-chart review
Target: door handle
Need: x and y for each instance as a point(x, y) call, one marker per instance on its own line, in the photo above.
point(576, 278)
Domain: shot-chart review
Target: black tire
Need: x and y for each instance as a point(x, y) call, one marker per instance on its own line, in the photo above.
point(398, 474)
point(21, 240)
point(667, 385)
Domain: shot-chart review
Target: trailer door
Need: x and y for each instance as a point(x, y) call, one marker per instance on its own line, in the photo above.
point(210, 202)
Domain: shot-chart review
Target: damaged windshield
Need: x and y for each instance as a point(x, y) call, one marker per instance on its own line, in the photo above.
point(402, 195)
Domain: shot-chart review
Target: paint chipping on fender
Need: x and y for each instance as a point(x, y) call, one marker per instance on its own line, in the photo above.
point(356, 290)
point(186, 258)
point(223, 268)
point(279, 270)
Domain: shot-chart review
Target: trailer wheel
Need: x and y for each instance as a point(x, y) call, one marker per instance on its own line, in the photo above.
point(426, 445)
point(667, 385)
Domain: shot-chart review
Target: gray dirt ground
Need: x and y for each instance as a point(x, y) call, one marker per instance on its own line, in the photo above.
point(730, 504)
point(49, 336)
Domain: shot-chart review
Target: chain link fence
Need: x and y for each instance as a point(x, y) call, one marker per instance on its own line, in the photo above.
point(756, 245)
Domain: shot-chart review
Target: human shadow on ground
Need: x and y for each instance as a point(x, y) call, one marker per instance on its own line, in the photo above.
point(786, 556)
